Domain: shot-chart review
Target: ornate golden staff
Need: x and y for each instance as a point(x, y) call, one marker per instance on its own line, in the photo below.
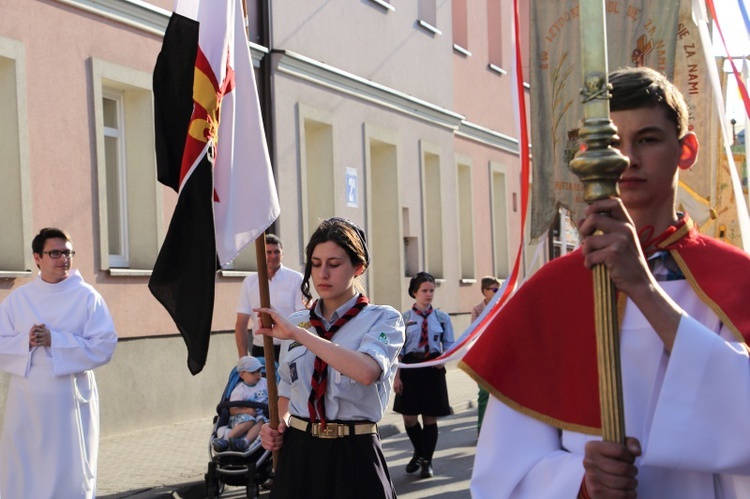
point(599, 167)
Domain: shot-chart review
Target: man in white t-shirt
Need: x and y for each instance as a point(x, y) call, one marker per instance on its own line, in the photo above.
point(285, 293)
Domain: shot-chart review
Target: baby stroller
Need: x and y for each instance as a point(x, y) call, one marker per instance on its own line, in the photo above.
point(250, 467)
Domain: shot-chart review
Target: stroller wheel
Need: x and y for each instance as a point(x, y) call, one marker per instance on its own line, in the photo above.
point(253, 492)
point(213, 487)
point(253, 489)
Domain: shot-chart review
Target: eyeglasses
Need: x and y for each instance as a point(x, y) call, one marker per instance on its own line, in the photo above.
point(55, 254)
point(494, 290)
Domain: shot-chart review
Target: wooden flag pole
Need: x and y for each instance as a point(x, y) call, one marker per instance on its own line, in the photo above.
point(245, 20)
point(265, 302)
point(599, 167)
point(265, 319)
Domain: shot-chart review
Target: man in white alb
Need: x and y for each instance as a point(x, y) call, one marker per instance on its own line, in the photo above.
point(53, 331)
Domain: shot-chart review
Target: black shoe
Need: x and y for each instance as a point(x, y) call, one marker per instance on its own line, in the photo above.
point(239, 444)
point(220, 444)
point(426, 469)
point(414, 464)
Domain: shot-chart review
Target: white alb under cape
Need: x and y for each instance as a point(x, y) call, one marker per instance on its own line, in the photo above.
point(689, 409)
point(50, 437)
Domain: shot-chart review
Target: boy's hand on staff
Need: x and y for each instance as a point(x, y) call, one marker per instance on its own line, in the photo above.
point(610, 238)
point(610, 469)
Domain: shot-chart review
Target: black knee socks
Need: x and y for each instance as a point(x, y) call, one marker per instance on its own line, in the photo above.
point(429, 440)
point(415, 435)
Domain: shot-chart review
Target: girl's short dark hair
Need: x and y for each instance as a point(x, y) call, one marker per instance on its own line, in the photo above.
point(417, 281)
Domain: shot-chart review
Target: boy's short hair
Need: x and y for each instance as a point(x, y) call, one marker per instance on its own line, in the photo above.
point(642, 87)
point(490, 281)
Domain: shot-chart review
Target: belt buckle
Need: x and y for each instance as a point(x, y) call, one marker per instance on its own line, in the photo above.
point(331, 430)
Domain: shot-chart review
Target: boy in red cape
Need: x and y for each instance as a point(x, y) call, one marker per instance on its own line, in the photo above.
point(684, 331)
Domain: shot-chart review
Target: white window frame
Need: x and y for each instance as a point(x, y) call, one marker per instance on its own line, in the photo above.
point(142, 194)
point(16, 260)
point(465, 211)
point(433, 217)
point(119, 259)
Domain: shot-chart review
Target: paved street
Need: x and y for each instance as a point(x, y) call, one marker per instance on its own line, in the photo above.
point(170, 461)
point(453, 460)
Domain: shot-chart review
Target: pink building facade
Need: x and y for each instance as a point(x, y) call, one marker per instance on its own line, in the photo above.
point(395, 114)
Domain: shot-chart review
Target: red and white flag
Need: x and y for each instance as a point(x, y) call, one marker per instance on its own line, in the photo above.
point(211, 148)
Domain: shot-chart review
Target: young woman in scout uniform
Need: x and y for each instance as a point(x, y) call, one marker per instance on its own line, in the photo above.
point(423, 390)
point(337, 365)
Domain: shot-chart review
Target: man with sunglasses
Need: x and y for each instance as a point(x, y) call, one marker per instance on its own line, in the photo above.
point(490, 285)
point(53, 331)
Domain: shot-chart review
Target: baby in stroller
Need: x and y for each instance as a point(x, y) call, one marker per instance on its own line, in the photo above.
point(245, 422)
point(237, 457)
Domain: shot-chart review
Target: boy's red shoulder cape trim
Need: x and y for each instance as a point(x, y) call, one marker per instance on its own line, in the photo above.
point(538, 355)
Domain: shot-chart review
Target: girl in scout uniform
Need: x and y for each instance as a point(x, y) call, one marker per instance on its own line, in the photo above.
point(337, 365)
point(423, 390)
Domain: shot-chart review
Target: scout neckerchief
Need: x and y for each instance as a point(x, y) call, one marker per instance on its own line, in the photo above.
point(319, 381)
point(424, 336)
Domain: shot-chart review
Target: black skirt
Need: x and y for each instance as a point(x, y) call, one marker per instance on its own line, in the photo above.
point(331, 468)
point(425, 391)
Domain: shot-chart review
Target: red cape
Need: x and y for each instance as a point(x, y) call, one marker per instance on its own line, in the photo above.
point(538, 354)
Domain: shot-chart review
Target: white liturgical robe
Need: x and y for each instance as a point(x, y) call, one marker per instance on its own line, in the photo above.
point(689, 409)
point(50, 437)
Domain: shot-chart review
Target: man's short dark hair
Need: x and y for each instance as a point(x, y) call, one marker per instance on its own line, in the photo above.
point(274, 239)
point(636, 88)
point(37, 244)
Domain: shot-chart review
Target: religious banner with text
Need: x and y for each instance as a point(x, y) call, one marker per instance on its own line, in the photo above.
point(660, 35)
